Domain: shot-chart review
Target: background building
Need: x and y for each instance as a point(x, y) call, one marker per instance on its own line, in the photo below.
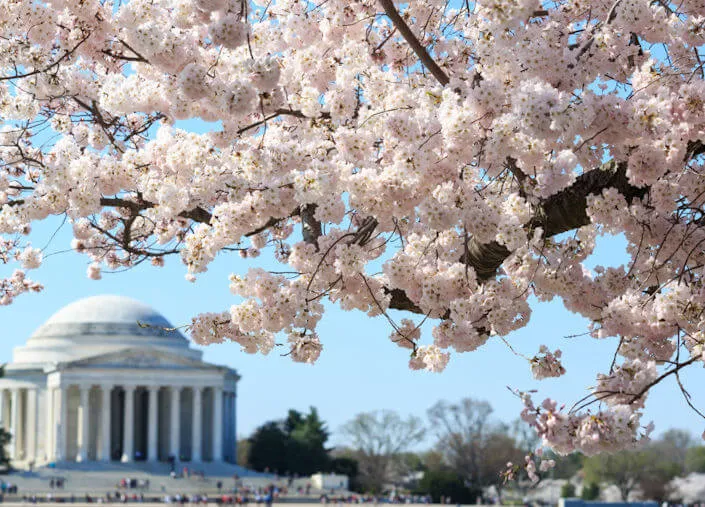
point(108, 378)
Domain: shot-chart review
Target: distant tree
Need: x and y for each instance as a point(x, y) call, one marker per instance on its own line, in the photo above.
point(462, 430)
point(448, 484)
point(404, 465)
point(307, 436)
point(293, 420)
point(525, 436)
point(673, 447)
point(268, 448)
point(695, 459)
point(349, 467)
point(5, 438)
point(500, 448)
point(655, 483)
point(344, 466)
point(625, 470)
point(294, 445)
point(411, 461)
point(591, 491)
point(378, 439)
point(568, 490)
point(566, 466)
point(432, 460)
point(649, 469)
point(243, 452)
point(473, 445)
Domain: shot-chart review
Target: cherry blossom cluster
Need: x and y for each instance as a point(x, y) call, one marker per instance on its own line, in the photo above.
point(448, 162)
point(547, 364)
point(587, 432)
point(529, 467)
point(16, 284)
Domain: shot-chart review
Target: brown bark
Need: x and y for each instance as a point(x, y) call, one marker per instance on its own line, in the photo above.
point(559, 213)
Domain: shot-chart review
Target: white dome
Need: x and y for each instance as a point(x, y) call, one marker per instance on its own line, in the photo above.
point(106, 315)
point(98, 325)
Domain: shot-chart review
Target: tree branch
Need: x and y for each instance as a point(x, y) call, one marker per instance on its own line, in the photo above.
point(310, 226)
point(405, 31)
point(559, 213)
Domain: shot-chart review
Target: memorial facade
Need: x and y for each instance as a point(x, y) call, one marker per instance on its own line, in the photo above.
point(108, 378)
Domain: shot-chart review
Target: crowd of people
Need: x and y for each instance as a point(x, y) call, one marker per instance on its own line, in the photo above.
point(240, 496)
point(264, 500)
point(8, 488)
point(133, 490)
point(132, 483)
point(371, 499)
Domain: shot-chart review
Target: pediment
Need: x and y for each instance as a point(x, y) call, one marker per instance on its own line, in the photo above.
point(139, 358)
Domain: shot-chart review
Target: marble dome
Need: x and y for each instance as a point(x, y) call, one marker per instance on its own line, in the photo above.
point(100, 324)
point(108, 315)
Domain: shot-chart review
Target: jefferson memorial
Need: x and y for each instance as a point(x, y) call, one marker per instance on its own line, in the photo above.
point(107, 378)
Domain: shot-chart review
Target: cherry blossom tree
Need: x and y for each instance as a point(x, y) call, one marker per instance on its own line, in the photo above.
point(474, 151)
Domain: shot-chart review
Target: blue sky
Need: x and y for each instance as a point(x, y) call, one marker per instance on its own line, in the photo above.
point(360, 368)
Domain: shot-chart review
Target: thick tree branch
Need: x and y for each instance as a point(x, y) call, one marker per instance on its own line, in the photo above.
point(310, 226)
point(197, 214)
point(400, 301)
point(405, 31)
point(559, 213)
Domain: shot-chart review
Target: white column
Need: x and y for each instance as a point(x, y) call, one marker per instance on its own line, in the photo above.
point(231, 430)
point(3, 400)
point(40, 454)
point(6, 410)
point(14, 422)
point(196, 428)
point(62, 437)
point(83, 424)
point(128, 440)
point(152, 423)
point(175, 420)
point(234, 430)
point(227, 425)
point(32, 424)
point(217, 424)
point(105, 422)
point(22, 425)
point(231, 427)
point(50, 428)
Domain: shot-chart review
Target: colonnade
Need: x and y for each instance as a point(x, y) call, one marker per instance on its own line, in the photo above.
point(86, 422)
point(18, 411)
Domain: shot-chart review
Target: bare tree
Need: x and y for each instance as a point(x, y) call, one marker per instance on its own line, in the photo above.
point(462, 431)
point(472, 444)
point(673, 446)
point(378, 439)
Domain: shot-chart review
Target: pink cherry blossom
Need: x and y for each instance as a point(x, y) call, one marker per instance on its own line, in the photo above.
point(445, 163)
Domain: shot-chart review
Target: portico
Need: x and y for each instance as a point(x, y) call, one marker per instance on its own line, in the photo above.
point(139, 401)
